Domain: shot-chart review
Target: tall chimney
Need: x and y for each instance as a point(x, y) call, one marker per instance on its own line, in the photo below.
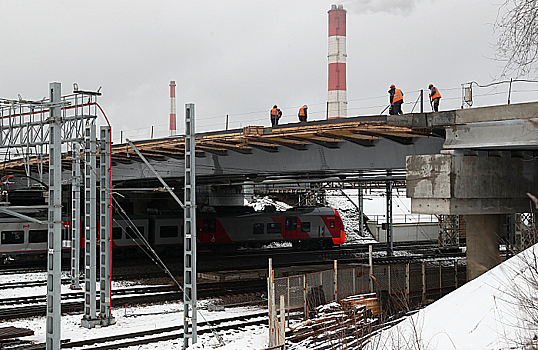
point(337, 101)
point(172, 108)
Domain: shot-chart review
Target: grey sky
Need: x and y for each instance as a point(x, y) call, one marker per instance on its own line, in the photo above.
point(241, 57)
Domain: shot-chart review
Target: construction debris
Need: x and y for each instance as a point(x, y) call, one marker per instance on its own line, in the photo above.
point(344, 322)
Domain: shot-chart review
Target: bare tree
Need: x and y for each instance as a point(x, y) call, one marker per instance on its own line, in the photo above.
point(517, 45)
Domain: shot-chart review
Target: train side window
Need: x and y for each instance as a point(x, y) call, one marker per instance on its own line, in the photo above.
point(37, 236)
point(116, 233)
point(12, 237)
point(66, 234)
point(274, 227)
point(257, 229)
point(305, 226)
point(168, 231)
point(332, 224)
point(130, 233)
point(291, 223)
point(209, 226)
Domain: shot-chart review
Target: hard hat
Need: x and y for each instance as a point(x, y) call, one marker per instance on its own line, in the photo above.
point(429, 87)
point(392, 86)
point(274, 106)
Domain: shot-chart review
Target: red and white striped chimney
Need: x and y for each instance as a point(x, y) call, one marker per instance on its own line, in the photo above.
point(337, 101)
point(172, 108)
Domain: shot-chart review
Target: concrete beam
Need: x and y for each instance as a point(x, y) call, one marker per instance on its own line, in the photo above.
point(523, 111)
point(457, 184)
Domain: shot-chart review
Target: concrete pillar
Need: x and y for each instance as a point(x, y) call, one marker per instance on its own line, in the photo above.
point(482, 244)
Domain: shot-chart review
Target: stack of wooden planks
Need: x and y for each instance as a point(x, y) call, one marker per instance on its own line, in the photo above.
point(339, 319)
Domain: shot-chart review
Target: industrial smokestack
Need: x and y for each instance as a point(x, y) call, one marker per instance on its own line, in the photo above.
point(337, 101)
point(172, 108)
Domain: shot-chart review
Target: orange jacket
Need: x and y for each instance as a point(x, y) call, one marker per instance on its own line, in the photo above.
point(302, 111)
point(275, 112)
point(398, 96)
point(434, 93)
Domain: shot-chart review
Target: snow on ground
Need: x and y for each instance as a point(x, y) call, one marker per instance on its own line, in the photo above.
point(494, 311)
point(145, 318)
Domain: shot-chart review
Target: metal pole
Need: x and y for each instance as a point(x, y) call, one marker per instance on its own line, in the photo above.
point(335, 283)
point(54, 262)
point(226, 121)
point(104, 236)
point(421, 101)
point(282, 339)
point(390, 250)
point(269, 305)
point(89, 320)
point(189, 267)
point(371, 261)
point(75, 219)
point(360, 199)
point(423, 281)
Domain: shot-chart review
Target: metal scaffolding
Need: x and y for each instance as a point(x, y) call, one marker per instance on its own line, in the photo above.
point(189, 268)
point(36, 132)
point(449, 231)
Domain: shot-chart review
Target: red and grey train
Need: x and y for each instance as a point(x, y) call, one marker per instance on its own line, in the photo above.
point(222, 229)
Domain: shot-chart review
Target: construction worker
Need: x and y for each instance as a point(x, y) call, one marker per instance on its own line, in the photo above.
point(396, 100)
point(303, 113)
point(435, 96)
point(275, 115)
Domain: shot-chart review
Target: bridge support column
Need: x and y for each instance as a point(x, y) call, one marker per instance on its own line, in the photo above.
point(482, 244)
point(480, 185)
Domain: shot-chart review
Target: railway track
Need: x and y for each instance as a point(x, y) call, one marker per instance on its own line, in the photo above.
point(73, 302)
point(158, 335)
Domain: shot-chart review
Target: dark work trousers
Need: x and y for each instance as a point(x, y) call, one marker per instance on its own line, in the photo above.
point(435, 104)
point(274, 121)
point(398, 107)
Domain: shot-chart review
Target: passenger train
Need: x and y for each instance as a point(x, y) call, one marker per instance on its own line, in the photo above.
point(218, 230)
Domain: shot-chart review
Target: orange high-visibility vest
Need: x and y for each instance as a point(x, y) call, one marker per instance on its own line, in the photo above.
point(274, 112)
point(302, 112)
point(398, 96)
point(434, 93)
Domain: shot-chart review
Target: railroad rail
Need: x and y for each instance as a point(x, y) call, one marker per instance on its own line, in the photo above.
point(167, 333)
point(130, 296)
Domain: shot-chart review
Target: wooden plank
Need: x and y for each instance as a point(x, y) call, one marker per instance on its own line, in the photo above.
point(14, 332)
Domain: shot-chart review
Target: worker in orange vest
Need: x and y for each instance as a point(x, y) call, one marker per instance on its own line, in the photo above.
point(435, 96)
point(396, 100)
point(303, 113)
point(275, 115)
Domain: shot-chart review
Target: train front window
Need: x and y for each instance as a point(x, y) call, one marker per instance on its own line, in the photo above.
point(305, 226)
point(37, 236)
point(274, 227)
point(12, 237)
point(209, 226)
point(116, 233)
point(168, 231)
point(257, 229)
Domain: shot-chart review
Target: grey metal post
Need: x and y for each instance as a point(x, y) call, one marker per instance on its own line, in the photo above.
point(407, 284)
point(189, 267)
point(371, 269)
point(105, 259)
point(423, 281)
point(390, 248)
point(89, 320)
point(54, 267)
point(75, 218)
point(360, 199)
point(335, 282)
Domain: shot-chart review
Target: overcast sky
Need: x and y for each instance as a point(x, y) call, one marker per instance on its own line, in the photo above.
point(241, 57)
